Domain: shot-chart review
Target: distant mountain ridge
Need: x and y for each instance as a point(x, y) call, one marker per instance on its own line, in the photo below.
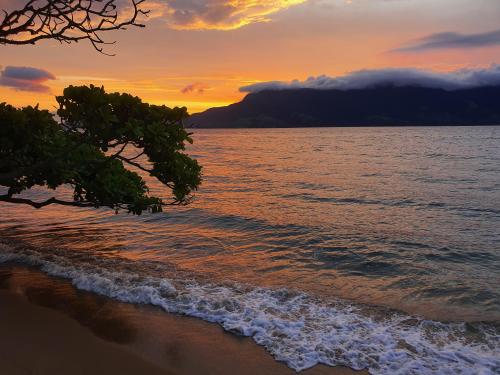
point(379, 106)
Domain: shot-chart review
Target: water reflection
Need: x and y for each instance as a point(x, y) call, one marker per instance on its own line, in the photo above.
point(404, 217)
point(101, 315)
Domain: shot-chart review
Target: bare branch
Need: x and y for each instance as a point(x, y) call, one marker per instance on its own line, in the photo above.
point(68, 21)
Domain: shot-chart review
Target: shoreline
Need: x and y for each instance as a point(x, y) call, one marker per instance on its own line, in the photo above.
point(50, 327)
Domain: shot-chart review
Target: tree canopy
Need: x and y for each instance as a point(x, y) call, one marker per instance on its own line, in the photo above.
point(99, 144)
point(68, 21)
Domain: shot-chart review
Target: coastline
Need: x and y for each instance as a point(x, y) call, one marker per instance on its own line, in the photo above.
point(50, 327)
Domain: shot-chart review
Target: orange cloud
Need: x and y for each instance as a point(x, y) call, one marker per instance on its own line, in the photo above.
point(217, 14)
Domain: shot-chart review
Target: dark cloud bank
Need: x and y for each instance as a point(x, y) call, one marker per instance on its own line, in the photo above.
point(25, 78)
point(452, 40)
point(399, 77)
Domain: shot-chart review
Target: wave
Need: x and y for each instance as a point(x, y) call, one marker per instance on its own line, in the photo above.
point(402, 202)
point(296, 328)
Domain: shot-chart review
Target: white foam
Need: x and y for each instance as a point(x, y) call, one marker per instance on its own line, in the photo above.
point(295, 328)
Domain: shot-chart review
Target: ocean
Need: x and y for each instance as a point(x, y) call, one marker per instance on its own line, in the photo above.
point(373, 248)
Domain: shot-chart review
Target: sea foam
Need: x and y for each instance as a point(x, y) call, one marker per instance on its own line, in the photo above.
point(296, 328)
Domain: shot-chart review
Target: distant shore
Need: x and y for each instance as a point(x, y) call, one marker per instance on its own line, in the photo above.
point(382, 105)
point(49, 327)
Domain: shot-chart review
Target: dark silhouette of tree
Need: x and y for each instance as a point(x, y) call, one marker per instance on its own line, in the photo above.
point(99, 146)
point(68, 21)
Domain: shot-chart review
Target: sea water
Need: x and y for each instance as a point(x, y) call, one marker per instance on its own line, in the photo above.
point(372, 248)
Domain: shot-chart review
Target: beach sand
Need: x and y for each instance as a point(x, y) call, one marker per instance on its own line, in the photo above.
point(49, 327)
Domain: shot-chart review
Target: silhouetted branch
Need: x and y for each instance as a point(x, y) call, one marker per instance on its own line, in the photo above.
point(10, 199)
point(137, 165)
point(67, 21)
point(119, 152)
point(130, 161)
point(136, 156)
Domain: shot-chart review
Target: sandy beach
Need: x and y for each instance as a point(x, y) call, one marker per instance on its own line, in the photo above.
point(49, 327)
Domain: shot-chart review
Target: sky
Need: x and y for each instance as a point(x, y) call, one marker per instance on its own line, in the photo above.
point(202, 54)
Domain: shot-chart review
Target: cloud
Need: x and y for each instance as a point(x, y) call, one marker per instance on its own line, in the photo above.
point(10, 5)
point(25, 78)
point(464, 78)
point(196, 87)
point(452, 40)
point(217, 14)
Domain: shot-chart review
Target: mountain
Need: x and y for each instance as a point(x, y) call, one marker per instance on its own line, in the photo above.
point(379, 106)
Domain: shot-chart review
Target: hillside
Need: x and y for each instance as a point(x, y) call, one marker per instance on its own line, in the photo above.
point(382, 106)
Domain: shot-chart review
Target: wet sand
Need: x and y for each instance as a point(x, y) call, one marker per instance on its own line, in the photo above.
point(49, 327)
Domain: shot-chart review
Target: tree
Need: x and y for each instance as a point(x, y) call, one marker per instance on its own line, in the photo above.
point(99, 146)
point(68, 21)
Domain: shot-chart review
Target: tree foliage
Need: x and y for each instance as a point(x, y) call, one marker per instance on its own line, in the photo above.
point(100, 145)
point(68, 21)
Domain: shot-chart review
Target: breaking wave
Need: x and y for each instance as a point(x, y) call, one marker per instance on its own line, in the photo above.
point(296, 328)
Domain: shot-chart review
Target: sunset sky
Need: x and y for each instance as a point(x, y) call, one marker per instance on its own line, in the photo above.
point(199, 53)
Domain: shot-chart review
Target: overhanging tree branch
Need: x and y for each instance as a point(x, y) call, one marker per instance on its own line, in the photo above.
point(86, 151)
point(10, 199)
